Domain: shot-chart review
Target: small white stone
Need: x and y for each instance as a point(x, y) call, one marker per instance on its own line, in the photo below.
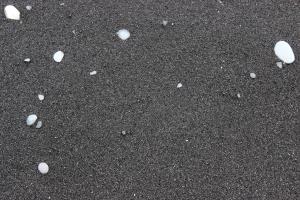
point(28, 7)
point(179, 85)
point(284, 52)
point(165, 22)
point(253, 75)
point(123, 34)
point(39, 124)
point(43, 168)
point(93, 73)
point(58, 56)
point(279, 64)
point(238, 95)
point(41, 97)
point(27, 60)
point(11, 12)
point(123, 132)
point(31, 119)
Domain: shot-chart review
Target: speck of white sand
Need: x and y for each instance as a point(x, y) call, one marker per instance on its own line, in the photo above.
point(238, 95)
point(93, 73)
point(179, 85)
point(28, 7)
point(252, 75)
point(123, 34)
point(39, 124)
point(186, 140)
point(62, 4)
point(31, 119)
point(41, 97)
point(43, 168)
point(279, 64)
point(58, 56)
point(11, 12)
point(123, 132)
point(27, 60)
point(284, 52)
point(165, 22)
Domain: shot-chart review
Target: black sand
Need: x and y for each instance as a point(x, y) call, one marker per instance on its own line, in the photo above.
point(196, 142)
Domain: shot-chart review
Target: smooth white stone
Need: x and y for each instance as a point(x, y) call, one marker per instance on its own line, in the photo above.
point(252, 75)
point(123, 34)
point(41, 97)
point(165, 22)
point(43, 168)
point(31, 119)
point(39, 124)
point(93, 73)
point(28, 7)
point(284, 52)
point(11, 12)
point(179, 85)
point(27, 60)
point(58, 56)
point(279, 64)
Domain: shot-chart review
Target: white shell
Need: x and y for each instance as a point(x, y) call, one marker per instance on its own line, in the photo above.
point(252, 75)
point(39, 124)
point(123, 34)
point(179, 85)
point(58, 56)
point(284, 52)
point(28, 7)
point(43, 168)
point(11, 12)
point(93, 73)
point(31, 119)
point(41, 97)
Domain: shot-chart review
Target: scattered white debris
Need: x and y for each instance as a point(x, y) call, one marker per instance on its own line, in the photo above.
point(58, 56)
point(238, 95)
point(39, 124)
point(123, 132)
point(279, 64)
point(27, 60)
point(284, 52)
point(165, 22)
point(123, 34)
point(11, 12)
point(179, 85)
point(93, 73)
point(31, 119)
point(28, 7)
point(41, 97)
point(43, 168)
point(253, 75)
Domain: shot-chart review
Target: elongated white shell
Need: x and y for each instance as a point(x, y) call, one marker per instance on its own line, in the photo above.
point(284, 52)
point(31, 119)
point(11, 12)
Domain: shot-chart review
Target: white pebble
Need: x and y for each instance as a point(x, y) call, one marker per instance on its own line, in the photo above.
point(279, 64)
point(27, 60)
point(284, 52)
point(39, 124)
point(31, 119)
point(43, 168)
point(252, 75)
point(41, 97)
point(93, 73)
point(238, 95)
point(11, 12)
point(179, 85)
point(165, 22)
point(123, 34)
point(28, 7)
point(58, 56)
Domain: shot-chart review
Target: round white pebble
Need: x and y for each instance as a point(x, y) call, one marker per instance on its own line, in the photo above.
point(28, 7)
point(58, 56)
point(41, 97)
point(165, 22)
point(238, 95)
point(179, 85)
point(31, 119)
point(43, 168)
point(11, 12)
point(284, 52)
point(253, 75)
point(279, 64)
point(123, 34)
point(27, 60)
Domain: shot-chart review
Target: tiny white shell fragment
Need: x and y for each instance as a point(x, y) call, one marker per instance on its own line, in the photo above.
point(179, 85)
point(93, 73)
point(279, 64)
point(238, 95)
point(165, 22)
point(253, 75)
point(28, 7)
point(123, 34)
point(31, 119)
point(58, 56)
point(43, 168)
point(27, 60)
point(284, 52)
point(39, 124)
point(41, 97)
point(11, 12)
